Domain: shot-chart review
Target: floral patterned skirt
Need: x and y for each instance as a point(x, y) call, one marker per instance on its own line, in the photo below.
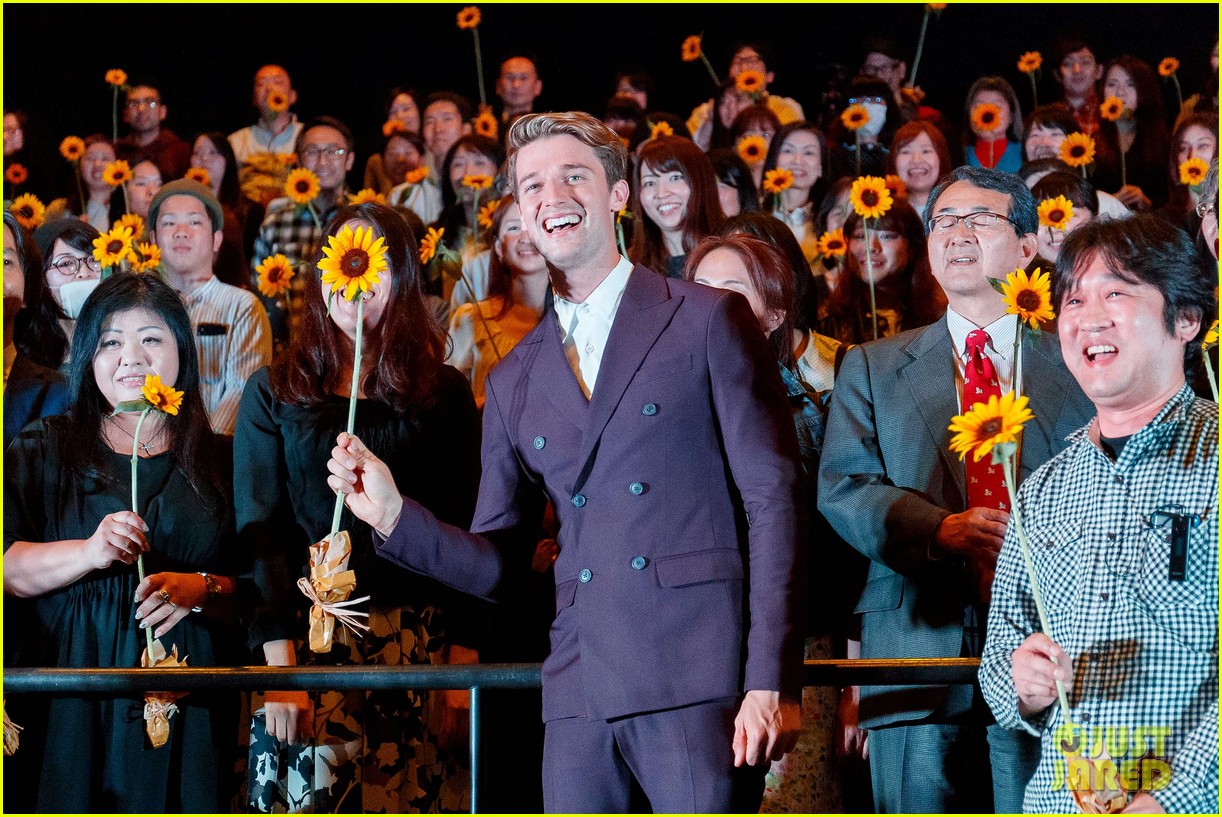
point(372, 751)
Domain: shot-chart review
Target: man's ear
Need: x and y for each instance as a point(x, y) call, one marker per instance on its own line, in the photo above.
point(620, 193)
point(218, 238)
point(1029, 246)
point(1187, 325)
point(161, 112)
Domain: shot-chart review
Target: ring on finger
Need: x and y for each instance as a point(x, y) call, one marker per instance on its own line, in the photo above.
point(165, 596)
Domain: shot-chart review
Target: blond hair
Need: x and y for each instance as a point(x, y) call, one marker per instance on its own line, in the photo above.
point(607, 145)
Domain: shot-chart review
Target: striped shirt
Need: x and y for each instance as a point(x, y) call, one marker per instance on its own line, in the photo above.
point(233, 340)
point(1144, 647)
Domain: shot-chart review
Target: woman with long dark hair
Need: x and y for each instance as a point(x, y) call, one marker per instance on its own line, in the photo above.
point(393, 750)
point(800, 148)
point(44, 330)
point(675, 202)
point(996, 140)
point(1195, 137)
point(71, 539)
point(1140, 134)
point(242, 217)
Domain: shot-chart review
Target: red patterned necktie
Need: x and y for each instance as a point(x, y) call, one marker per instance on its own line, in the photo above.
point(986, 486)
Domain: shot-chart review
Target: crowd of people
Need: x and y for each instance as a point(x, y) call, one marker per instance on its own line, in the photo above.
point(715, 391)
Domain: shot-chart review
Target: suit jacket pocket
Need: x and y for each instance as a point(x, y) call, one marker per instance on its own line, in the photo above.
point(663, 368)
point(566, 594)
point(718, 564)
point(881, 593)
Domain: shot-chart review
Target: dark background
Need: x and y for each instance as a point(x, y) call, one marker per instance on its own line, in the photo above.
point(345, 57)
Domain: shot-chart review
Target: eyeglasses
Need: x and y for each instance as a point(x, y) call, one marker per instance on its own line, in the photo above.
point(866, 100)
point(143, 103)
point(1207, 208)
point(313, 153)
point(71, 265)
point(973, 221)
point(874, 69)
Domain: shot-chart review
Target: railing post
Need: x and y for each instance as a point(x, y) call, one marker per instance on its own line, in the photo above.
point(475, 749)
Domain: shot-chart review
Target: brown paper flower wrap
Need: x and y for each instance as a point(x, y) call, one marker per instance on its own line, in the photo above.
point(159, 707)
point(1097, 797)
point(329, 585)
point(11, 731)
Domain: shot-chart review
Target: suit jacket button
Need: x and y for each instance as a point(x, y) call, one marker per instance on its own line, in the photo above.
point(539, 443)
point(649, 409)
point(639, 563)
point(579, 500)
point(585, 575)
point(636, 488)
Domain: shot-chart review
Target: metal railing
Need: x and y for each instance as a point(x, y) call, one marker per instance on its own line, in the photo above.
point(474, 677)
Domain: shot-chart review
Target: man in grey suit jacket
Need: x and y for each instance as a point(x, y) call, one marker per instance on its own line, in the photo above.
point(651, 414)
point(889, 485)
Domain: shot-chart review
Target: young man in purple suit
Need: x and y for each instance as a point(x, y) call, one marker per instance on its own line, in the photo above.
point(651, 414)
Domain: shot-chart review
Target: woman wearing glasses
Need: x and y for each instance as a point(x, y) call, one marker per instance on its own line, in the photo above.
point(66, 246)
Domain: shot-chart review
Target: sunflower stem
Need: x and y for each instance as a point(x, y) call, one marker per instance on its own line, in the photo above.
point(356, 380)
point(127, 204)
point(80, 190)
point(857, 149)
point(148, 631)
point(1007, 469)
point(619, 236)
point(479, 67)
point(114, 116)
point(314, 215)
point(1179, 94)
point(1124, 176)
point(870, 278)
point(713, 74)
point(1209, 373)
point(920, 47)
point(1018, 358)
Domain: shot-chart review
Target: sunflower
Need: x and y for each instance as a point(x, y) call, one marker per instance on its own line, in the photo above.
point(1055, 212)
point(1211, 337)
point(988, 424)
point(896, 185)
point(469, 17)
point(199, 174)
point(913, 94)
point(936, 6)
point(659, 129)
point(117, 173)
point(366, 195)
point(1112, 108)
point(749, 82)
point(354, 261)
point(160, 396)
point(691, 50)
point(416, 175)
point(16, 173)
point(28, 210)
point(986, 118)
point(286, 159)
point(113, 247)
point(116, 77)
point(1078, 150)
point(870, 197)
point(72, 148)
point(277, 102)
point(778, 180)
point(752, 149)
point(485, 124)
point(393, 126)
point(854, 117)
point(302, 186)
point(477, 182)
point(832, 244)
point(1029, 298)
point(275, 275)
point(1168, 66)
point(1193, 171)
point(428, 244)
point(485, 213)
point(1030, 62)
point(150, 257)
point(133, 222)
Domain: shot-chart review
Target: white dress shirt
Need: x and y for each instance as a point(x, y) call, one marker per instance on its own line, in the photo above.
point(1000, 347)
point(586, 326)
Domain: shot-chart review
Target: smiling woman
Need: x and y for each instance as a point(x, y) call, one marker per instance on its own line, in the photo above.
point(676, 203)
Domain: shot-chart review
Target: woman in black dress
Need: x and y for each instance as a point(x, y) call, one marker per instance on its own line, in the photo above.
point(71, 540)
point(357, 751)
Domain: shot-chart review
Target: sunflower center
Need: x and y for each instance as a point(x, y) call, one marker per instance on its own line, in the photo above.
point(303, 186)
point(869, 198)
point(114, 247)
point(991, 427)
point(354, 263)
point(1056, 216)
point(1028, 300)
point(1077, 151)
point(25, 211)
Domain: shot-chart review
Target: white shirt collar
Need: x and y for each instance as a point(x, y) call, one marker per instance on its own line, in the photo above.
point(1001, 334)
point(603, 301)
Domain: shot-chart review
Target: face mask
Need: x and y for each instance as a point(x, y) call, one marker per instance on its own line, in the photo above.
point(72, 295)
point(878, 117)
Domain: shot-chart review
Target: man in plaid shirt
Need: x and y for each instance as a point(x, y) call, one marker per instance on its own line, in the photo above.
point(1123, 529)
point(325, 149)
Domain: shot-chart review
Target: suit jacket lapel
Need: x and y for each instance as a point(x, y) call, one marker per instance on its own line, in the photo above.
point(1045, 382)
point(551, 368)
point(933, 392)
point(644, 312)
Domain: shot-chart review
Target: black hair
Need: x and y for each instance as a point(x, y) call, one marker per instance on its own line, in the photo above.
point(731, 170)
point(773, 231)
point(461, 102)
point(1022, 204)
point(324, 122)
point(1079, 191)
point(39, 335)
point(1143, 249)
point(1048, 165)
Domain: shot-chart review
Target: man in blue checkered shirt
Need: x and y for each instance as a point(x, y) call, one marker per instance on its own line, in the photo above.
point(1123, 529)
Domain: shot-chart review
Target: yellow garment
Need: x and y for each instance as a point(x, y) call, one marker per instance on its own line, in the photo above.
point(478, 345)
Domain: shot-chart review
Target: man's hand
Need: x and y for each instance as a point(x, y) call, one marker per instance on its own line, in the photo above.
point(1143, 803)
point(1036, 666)
point(766, 727)
point(369, 489)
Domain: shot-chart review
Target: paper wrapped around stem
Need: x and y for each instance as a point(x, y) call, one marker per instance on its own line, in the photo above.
point(1094, 795)
point(159, 707)
point(11, 731)
point(328, 588)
